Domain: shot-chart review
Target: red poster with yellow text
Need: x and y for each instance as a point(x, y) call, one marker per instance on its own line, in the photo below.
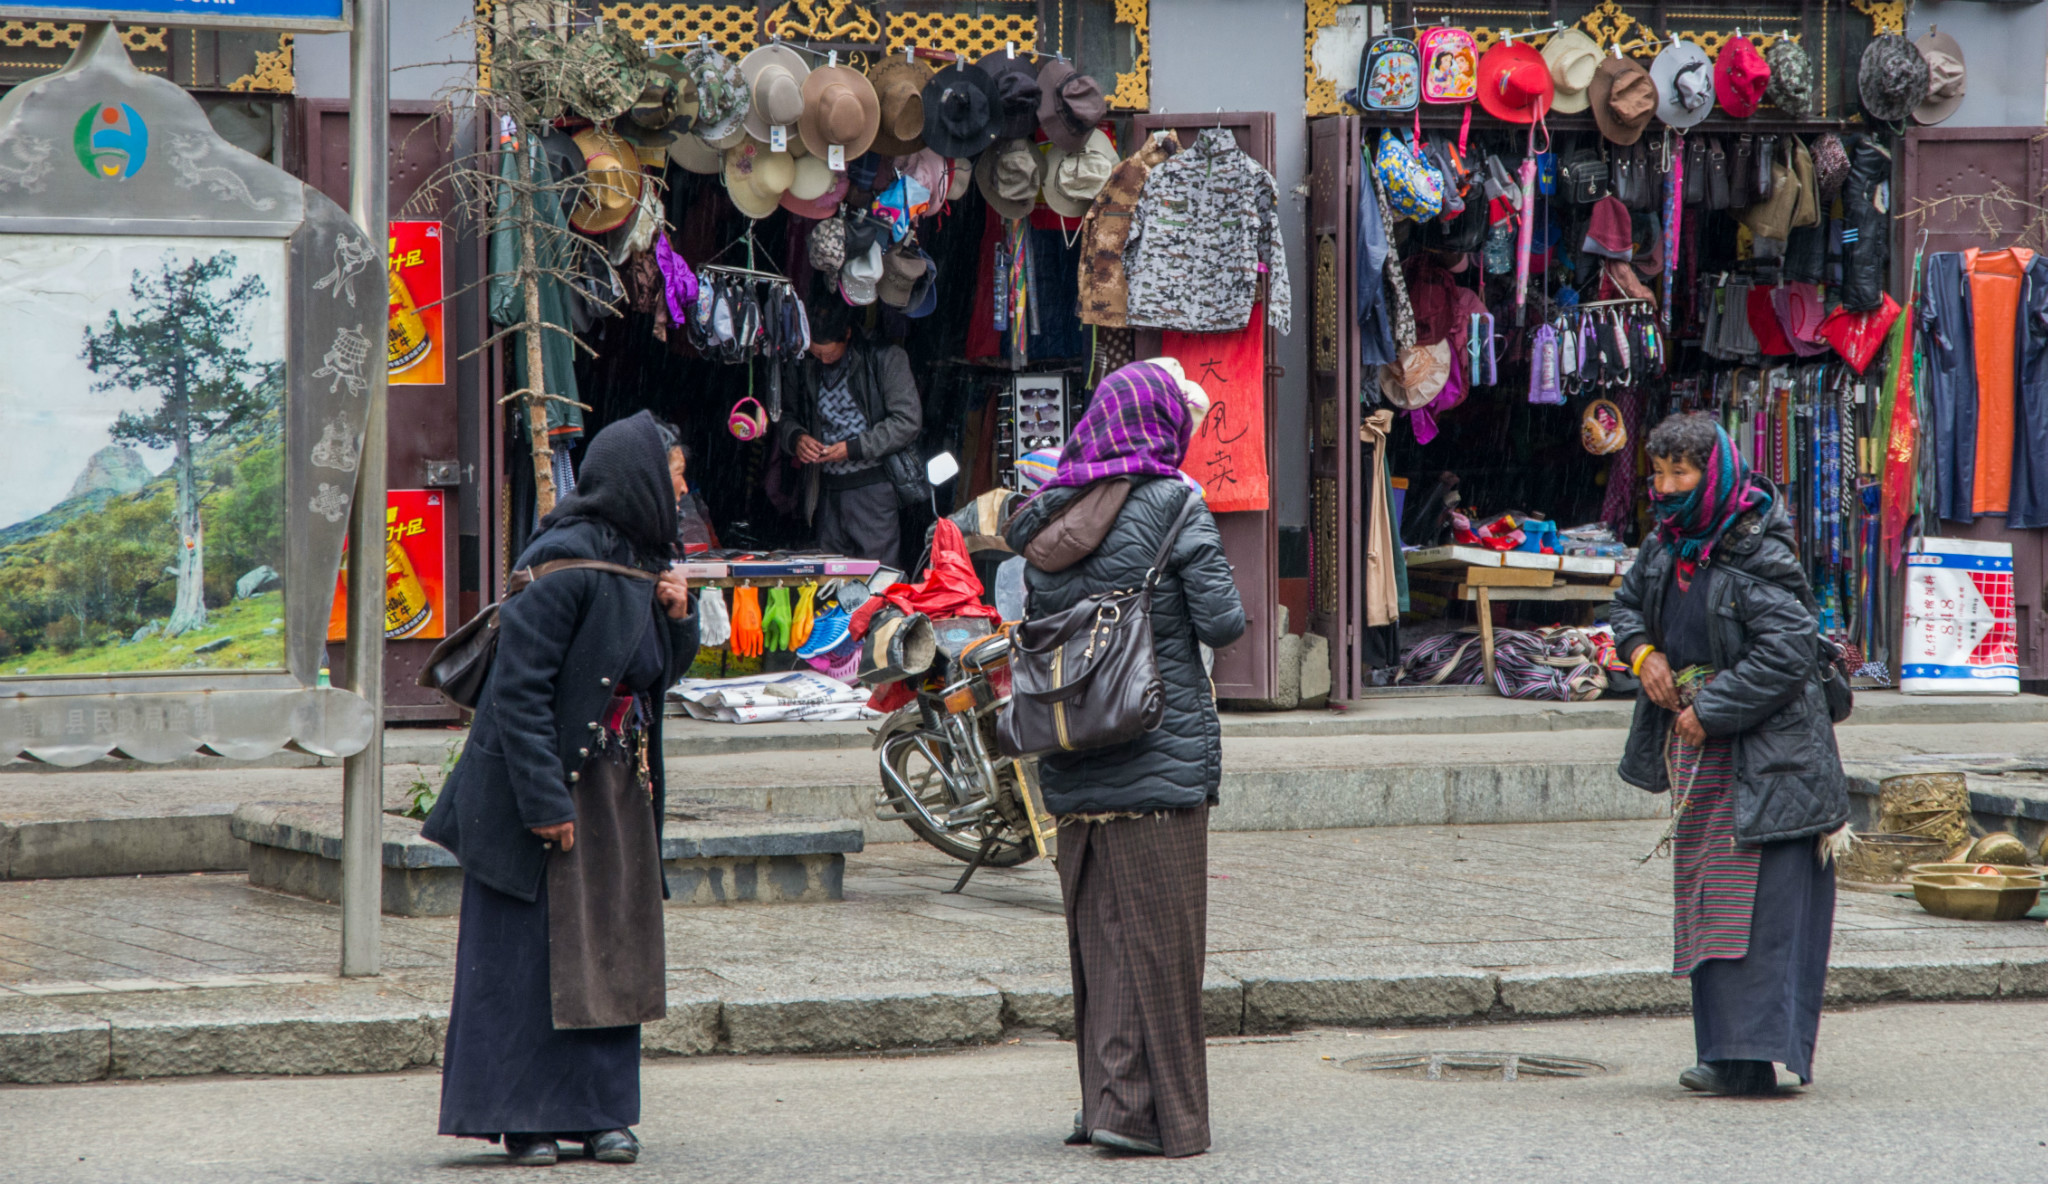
point(419, 339)
point(415, 571)
point(1228, 454)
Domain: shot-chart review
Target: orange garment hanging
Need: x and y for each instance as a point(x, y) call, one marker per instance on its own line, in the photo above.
point(1996, 279)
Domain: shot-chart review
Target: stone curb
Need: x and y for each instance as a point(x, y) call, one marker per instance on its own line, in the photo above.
point(337, 1027)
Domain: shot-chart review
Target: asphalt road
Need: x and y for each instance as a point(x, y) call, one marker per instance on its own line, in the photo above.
point(1906, 1093)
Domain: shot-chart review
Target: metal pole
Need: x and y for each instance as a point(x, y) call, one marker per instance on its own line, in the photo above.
point(362, 776)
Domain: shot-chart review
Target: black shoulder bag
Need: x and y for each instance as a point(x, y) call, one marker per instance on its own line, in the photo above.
point(462, 661)
point(1087, 677)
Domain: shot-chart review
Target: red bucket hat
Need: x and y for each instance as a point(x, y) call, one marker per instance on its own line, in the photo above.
point(1740, 74)
point(1514, 83)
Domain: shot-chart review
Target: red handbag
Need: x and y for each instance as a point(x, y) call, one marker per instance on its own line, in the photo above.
point(1857, 336)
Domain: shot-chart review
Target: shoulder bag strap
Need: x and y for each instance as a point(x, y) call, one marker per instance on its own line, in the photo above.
point(527, 575)
point(1188, 506)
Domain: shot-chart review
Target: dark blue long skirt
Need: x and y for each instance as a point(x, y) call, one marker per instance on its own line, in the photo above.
point(507, 1070)
point(1765, 1006)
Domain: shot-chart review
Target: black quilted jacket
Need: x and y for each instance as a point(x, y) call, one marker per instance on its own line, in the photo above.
point(1767, 697)
point(1180, 763)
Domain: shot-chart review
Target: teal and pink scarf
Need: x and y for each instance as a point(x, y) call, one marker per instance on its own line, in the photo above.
point(1691, 523)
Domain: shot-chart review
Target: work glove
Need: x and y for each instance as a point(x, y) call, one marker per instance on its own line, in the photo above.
point(802, 616)
point(746, 622)
point(775, 620)
point(714, 626)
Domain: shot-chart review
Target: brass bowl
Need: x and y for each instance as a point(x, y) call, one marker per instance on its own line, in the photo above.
point(1887, 859)
point(2012, 871)
point(1977, 898)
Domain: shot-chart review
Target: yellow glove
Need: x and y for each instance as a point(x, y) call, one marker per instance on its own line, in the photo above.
point(801, 616)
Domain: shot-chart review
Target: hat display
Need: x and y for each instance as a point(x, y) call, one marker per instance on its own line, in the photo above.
point(1450, 73)
point(1830, 167)
point(1892, 78)
point(1070, 104)
point(1740, 75)
point(609, 69)
point(1685, 84)
point(827, 248)
point(1945, 76)
point(1646, 243)
point(667, 97)
point(857, 280)
point(1420, 373)
point(960, 178)
point(928, 169)
point(723, 97)
point(1514, 83)
point(961, 111)
point(901, 267)
point(775, 76)
point(1072, 179)
point(611, 185)
point(899, 85)
point(1608, 232)
point(1016, 92)
point(1790, 88)
point(924, 292)
point(1009, 176)
point(756, 178)
point(1391, 77)
point(815, 191)
point(1622, 98)
point(1572, 57)
point(534, 69)
point(840, 107)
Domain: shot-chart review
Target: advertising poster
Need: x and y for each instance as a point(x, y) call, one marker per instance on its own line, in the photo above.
point(419, 341)
point(415, 576)
point(1228, 454)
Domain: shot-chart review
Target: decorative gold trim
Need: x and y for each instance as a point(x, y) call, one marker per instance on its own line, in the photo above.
point(273, 73)
point(1134, 89)
point(1886, 16)
point(835, 21)
point(1321, 98)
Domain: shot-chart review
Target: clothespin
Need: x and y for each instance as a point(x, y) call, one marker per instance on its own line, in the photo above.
point(1010, 50)
point(831, 58)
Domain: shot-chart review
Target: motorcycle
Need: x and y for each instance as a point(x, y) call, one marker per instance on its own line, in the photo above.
point(942, 773)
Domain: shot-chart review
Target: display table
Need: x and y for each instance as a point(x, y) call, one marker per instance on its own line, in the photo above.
point(773, 573)
point(1483, 577)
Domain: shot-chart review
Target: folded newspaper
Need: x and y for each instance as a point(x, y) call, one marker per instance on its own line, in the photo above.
point(791, 696)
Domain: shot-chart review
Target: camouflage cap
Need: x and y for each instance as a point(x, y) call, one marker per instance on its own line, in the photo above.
point(828, 246)
point(723, 96)
point(533, 69)
point(1892, 78)
point(607, 72)
point(1790, 88)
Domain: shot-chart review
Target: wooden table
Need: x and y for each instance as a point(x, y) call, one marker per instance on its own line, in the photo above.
point(1484, 576)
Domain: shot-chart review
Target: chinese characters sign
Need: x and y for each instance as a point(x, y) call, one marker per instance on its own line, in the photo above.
point(1228, 453)
point(415, 574)
point(419, 342)
point(1960, 634)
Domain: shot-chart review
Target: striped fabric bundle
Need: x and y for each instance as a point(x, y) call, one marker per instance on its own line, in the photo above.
point(1560, 664)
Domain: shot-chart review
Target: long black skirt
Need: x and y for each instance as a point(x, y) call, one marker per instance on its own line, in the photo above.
point(1765, 1006)
point(507, 1068)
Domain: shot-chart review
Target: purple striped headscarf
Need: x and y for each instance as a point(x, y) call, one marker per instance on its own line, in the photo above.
point(1137, 423)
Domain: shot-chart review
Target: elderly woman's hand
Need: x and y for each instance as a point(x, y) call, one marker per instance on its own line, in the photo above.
point(1658, 683)
point(674, 593)
point(561, 832)
point(1689, 729)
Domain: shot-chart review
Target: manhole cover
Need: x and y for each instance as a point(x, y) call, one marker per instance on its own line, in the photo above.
point(1473, 1066)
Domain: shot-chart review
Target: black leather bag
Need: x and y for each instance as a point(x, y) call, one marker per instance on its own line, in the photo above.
point(1086, 677)
point(1585, 176)
point(461, 663)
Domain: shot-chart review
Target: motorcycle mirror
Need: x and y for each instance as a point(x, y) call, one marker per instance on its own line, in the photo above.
point(941, 469)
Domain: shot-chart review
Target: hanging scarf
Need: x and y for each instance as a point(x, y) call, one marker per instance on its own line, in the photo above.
point(1137, 423)
point(1691, 523)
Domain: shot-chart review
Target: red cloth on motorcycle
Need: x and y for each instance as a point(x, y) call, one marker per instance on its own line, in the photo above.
point(949, 589)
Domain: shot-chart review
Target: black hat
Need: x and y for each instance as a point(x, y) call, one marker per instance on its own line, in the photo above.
point(1017, 93)
point(962, 112)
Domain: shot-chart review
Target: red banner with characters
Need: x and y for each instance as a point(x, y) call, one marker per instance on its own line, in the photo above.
point(419, 341)
point(1228, 454)
point(415, 571)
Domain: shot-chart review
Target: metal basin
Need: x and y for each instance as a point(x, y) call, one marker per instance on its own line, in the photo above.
point(1976, 898)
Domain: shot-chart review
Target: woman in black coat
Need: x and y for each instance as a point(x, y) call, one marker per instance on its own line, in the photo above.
point(1717, 618)
point(555, 813)
point(1133, 819)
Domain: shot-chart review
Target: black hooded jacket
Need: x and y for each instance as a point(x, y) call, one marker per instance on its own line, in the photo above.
point(1179, 763)
point(1767, 697)
point(563, 645)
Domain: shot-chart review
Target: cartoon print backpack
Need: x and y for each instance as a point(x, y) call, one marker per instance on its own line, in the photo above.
point(1388, 77)
point(1450, 65)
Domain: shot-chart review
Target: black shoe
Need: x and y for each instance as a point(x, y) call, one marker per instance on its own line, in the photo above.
point(1079, 1138)
point(1734, 1079)
point(617, 1146)
point(1124, 1143)
point(532, 1151)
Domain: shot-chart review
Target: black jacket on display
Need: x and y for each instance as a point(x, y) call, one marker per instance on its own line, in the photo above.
point(1180, 763)
point(1865, 255)
point(1767, 698)
point(563, 645)
point(888, 399)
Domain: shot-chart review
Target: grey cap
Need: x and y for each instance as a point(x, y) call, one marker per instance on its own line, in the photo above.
point(1892, 78)
point(1790, 88)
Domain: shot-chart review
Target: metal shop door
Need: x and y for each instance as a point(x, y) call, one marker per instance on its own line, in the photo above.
point(1247, 669)
point(1336, 468)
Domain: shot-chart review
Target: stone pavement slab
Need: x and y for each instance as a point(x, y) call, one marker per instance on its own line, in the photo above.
point(1348, 927)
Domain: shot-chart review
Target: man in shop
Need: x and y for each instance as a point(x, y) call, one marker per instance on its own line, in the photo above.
point(853, 420)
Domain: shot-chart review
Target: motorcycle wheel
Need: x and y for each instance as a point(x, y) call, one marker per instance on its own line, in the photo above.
point(1011, 847)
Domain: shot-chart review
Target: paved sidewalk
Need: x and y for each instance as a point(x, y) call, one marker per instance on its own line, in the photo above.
point(201, 973)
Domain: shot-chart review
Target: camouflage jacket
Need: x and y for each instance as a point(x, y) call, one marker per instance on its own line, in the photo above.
point(1107, 227)
point(1208, 219)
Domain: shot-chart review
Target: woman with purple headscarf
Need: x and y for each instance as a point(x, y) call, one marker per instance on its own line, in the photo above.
point(1133, 819)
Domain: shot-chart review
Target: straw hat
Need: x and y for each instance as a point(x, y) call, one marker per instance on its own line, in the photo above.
point(840, 107)
point(775, 75)
point(815, 191)
point(756, 178)
point(612, 179)
point(1572, 57)
point(899, 85)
